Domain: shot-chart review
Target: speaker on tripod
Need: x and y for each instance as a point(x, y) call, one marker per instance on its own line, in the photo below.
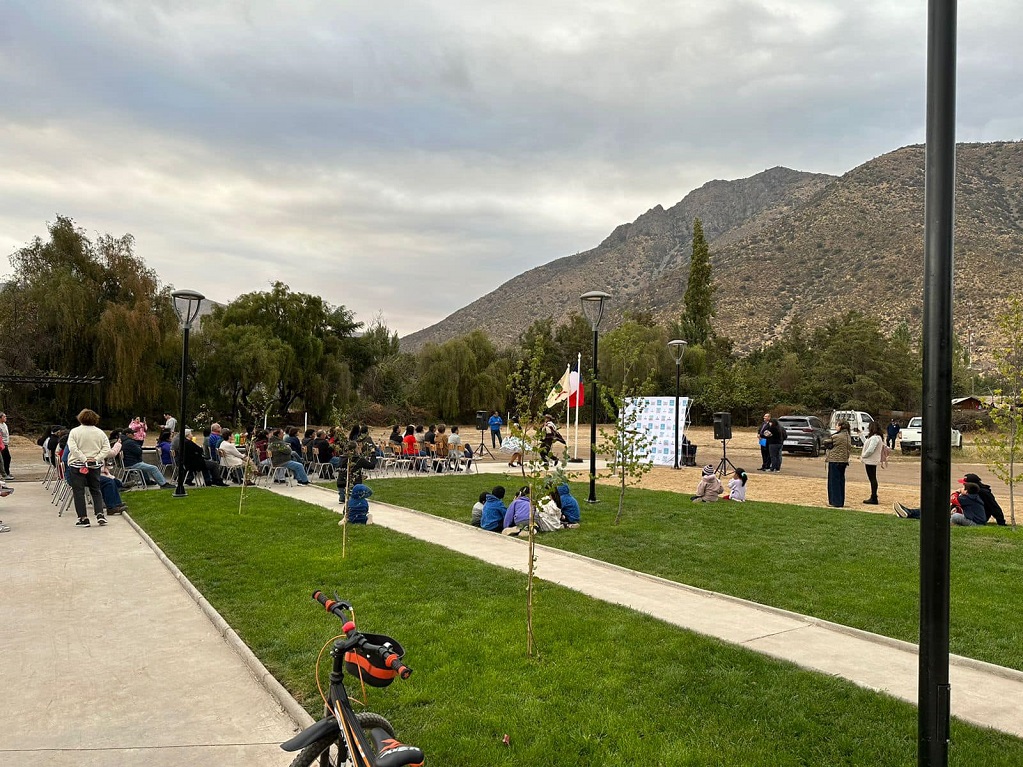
point(482, 424)
point(722, 426)
point(723, 432)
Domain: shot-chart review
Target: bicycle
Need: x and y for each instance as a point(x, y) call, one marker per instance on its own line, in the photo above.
point(345, 737)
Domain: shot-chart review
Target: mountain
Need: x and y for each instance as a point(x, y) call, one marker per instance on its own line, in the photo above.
point(785, 243)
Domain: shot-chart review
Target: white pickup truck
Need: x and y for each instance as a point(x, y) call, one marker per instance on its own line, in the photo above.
point(911, 436)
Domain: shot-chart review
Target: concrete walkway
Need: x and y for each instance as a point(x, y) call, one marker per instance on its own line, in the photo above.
point(983, 694)
point(108, 661)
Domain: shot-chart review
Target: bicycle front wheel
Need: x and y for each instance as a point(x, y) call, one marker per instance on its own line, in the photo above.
point(331, 752)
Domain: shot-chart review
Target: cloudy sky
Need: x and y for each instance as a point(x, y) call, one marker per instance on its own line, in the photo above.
point(404, 158)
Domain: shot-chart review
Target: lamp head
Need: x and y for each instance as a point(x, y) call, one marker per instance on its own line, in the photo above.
point(678, 348)
point(593, 306)
point(187, 304)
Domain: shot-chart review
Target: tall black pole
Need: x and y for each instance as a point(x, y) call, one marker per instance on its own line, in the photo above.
point(934, 692)
point(593, 428)
point(179, 491)
point(678, 383)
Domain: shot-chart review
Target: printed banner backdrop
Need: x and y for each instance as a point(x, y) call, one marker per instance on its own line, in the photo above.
point(655, 416)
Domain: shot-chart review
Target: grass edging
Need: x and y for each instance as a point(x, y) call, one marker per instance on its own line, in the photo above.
point(898, 644)
point(266, 680)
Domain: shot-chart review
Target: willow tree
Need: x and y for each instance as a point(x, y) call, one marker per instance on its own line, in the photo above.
point(92, 308)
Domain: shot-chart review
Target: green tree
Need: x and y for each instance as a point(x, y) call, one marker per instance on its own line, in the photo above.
point(698, 301)
point(92, 308)
point(306, 346)
point(1000, 448)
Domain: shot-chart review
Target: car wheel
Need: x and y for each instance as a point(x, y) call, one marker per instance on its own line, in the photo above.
point(815, 451)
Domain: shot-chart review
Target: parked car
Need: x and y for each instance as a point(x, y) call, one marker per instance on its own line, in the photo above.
point(912, 434)
point(803, 434)
point(859, 422)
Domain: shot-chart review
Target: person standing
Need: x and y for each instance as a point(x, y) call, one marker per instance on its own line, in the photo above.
point(87, 448)
point(870, 457)
point(775, 435)
point(837, 458)
point(893, 432)
point(5, 453)
point(765, 454)
point(495, 424)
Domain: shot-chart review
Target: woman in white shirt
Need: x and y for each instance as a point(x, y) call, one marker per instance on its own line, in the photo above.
point(231, 457)
point(88, 447)
point(870, 457)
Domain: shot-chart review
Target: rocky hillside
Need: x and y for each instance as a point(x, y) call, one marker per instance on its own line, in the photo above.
point(785, 243)
point(633, 258)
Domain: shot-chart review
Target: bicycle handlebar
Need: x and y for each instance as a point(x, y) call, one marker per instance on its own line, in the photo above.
point(340, 609)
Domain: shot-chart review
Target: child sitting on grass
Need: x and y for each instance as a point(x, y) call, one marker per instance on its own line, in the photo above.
point(477, 510)
point(737, 486)
point(710, 488)
point(358, 506)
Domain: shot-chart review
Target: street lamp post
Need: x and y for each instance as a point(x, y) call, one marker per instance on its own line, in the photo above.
point(593, 309)
point(186, 304)
point(678, 348)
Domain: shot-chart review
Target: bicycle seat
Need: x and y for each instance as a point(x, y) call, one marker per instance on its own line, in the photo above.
point(394, 753)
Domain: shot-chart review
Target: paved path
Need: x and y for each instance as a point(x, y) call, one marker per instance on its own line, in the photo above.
point(984, 694)
point(107, 661)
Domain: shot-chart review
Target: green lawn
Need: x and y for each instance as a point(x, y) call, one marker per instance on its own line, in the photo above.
point(612, 688)
point(844, 566)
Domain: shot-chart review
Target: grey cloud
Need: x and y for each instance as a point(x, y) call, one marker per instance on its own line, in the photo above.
point(371, 152)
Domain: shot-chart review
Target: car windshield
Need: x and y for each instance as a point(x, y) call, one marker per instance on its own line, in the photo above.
point(915, 422)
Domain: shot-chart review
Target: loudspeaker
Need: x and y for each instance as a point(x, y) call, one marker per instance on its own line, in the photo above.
point(722, 426)
point(481, 420)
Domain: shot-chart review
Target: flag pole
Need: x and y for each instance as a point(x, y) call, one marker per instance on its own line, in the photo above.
point(579, 373)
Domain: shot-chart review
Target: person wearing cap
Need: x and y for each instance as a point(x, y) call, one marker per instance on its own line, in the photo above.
point(892, 432)
point(710, 487)
point(987, 498)
point(991, 507)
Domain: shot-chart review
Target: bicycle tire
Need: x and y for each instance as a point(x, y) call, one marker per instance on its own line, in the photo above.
point(327, 752)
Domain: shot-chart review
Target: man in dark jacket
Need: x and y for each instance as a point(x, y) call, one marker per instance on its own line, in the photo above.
point(991, 507)
point(195, 462)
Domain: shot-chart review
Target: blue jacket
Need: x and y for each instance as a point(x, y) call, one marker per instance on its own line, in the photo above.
point(358, 506)
point(493, 514)
point(973, 508)
point(495, 422)
point(569, 505)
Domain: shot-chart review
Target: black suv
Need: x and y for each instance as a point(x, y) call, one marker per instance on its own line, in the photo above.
point(803, 433)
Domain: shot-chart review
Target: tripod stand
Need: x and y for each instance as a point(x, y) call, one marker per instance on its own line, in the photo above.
point(724, 464)
point(483, 448)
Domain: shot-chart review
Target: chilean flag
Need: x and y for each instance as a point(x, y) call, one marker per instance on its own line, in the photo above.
point(577, 398)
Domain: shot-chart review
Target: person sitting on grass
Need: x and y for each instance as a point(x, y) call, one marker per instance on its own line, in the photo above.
point(477, 510)
point(737, 486)
point(494, 510)
point(991, 507)
point(710, 488)
point(569, 506)
point(548, 514)
point(358, 506)
point(516, 519)
point(972, 514)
